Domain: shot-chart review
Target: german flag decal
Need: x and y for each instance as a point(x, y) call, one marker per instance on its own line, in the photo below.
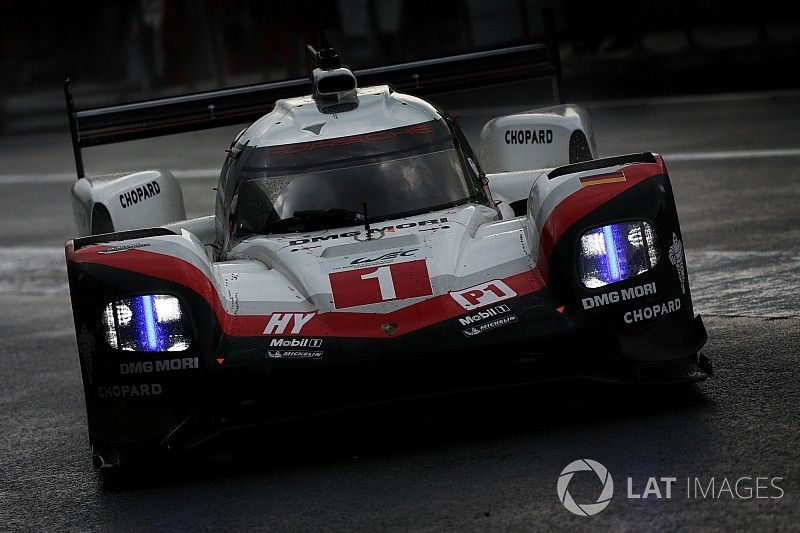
point(602, 179)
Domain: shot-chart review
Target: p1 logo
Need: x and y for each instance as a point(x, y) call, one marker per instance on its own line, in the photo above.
point(483, 294)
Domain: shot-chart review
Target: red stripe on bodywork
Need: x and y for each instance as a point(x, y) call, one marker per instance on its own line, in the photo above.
point(585, 200)
point(335, 323)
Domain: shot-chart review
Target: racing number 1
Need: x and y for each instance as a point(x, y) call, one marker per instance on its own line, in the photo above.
point(385, 282)
point(397, 281)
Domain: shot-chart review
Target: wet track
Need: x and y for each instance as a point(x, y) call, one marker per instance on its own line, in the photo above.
point(482, 461)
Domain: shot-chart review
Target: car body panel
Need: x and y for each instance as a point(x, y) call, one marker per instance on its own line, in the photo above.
point(466, 291)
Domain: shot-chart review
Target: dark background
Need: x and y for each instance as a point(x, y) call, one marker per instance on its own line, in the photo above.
point(137, 49)
point(711, 85)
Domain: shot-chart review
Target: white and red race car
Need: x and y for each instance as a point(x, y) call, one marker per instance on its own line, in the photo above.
point(359, 253)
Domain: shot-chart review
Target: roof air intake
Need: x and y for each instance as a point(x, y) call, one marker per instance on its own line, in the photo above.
point(333, 84)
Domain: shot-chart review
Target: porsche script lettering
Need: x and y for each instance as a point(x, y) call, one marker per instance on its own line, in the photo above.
point(334, 236)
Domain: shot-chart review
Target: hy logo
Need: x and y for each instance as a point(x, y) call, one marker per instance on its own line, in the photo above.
point(585, 509)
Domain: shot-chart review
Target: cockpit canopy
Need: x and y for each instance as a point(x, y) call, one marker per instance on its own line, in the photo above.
point(323, 184)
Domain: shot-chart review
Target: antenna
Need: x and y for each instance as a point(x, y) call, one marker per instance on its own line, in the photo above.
point(315, 58)
point(326, 58)
point(73, 127)
point(366, 221)
point(311, 62)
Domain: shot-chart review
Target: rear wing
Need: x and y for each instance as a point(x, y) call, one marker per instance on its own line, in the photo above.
point(223, 107)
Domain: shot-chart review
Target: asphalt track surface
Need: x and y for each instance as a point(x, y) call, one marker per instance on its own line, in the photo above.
point(486, 460)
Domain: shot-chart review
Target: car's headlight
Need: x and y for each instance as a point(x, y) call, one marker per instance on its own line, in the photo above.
point(616, 252)
point(147, 323)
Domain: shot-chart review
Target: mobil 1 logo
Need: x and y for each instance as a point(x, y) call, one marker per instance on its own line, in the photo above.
point(295, 348)
point(487, 320)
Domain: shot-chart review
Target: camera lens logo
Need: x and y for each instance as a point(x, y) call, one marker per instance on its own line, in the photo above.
point(585, 509)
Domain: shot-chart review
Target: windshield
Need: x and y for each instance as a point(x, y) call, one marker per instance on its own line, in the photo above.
point(397, 174)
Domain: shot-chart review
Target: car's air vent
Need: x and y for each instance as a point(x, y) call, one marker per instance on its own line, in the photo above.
point(579, 148)
point(101, 220)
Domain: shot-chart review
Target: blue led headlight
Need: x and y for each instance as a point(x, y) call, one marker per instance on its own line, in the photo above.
point(147, 323)
point(616, 252)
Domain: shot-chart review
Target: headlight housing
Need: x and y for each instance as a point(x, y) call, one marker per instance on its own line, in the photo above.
point(616, 252)
point(147, 323)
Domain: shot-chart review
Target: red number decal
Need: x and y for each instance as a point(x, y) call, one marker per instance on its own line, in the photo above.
point(380, 284)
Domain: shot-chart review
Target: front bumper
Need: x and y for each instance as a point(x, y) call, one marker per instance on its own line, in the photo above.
point(240, 397)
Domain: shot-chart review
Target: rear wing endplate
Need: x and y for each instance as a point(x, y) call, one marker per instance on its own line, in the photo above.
point(223, 107)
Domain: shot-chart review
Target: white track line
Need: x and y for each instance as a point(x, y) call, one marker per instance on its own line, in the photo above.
point(692, 99)
point(732, 154)
point(67, 177)
point(22, 179)
point(213, 173)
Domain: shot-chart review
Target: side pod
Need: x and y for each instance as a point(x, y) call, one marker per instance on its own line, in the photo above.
point(609, 245)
